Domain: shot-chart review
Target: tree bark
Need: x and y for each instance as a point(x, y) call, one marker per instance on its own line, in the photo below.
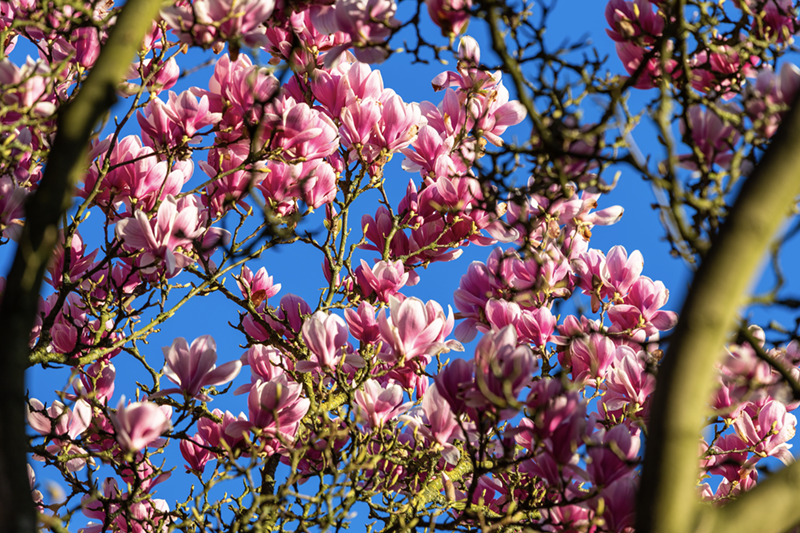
point(65, 166)
point(668, 500)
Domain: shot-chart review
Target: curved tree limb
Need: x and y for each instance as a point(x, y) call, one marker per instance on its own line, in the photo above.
point(65, 166)
point(668, 500)
point(770, 507)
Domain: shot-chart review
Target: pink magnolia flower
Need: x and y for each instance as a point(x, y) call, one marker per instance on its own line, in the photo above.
point(493, 116)
point(769, 94)
point(138, 176)
point(217, 436)
point(376, 405)
point(378, 228)
point(442, 426)
point(152, 39)
point(592, 272)
point(779, 18)
point(628, 382)
point(6, 20)
point(632, 57)
point(399, 123)
point(715, 139)
point(348, 82)
point(769, 432)
point(728, 490)
point(12, 207)
point(230, 183)
point(552, 405)
point(385, 279)
point(291, 310)
point(242, 92)
point(132, 517)
point(623, 270)
point(207, 22)
point(714, 71)
point(610, 277)
point(569, 517)
point(194, 367)
point(619, 501)
point(641, 313)
point(591, 357)
point(613, 454)
point(194, 452)
point(96, 381)
point(501, 313)
point(30, 86)
point(359, 119)
point(414, 330)
point(577, 210)
point(368, 24)
point(281, 186)
point(190, 114)
point(300, 26)
point(452, 16)
point(266, 363)
point(325, 335)
point(362, 81)
point(477, 286)
point(35, 494)
point(536, 326)
point(470, 76)
point(299, 130)
point(547, 273)
point(632, 21)
point(502, 370)
point(142, 472)
point(159, 130)
point(726, 458)
point(158, 238)
point(64, 426)
point(317, 183)
point(157, 77)
point(275, 408)
point(454, 383)
point(449, 117)
point(140, 424)
point(728, 399)
point(93, 508)
point(258, 287)
point(362, 323)
point(431, 154)
point(79, 263)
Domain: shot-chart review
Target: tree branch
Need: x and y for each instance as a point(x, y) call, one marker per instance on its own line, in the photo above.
point(268, 474)
point(668, 500)
point(778, 494)
point(66, 165)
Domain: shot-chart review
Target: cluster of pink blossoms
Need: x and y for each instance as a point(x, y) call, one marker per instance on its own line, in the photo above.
point(559, 402)
point(636, 26)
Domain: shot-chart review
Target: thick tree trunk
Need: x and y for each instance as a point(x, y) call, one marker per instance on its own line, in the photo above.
point(668, 499)
point(65, 166)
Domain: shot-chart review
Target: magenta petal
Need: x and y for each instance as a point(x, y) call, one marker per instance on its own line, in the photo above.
point(223, 374)
point(664, 320)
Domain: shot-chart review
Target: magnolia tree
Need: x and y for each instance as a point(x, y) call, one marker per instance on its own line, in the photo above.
point(557, 418)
